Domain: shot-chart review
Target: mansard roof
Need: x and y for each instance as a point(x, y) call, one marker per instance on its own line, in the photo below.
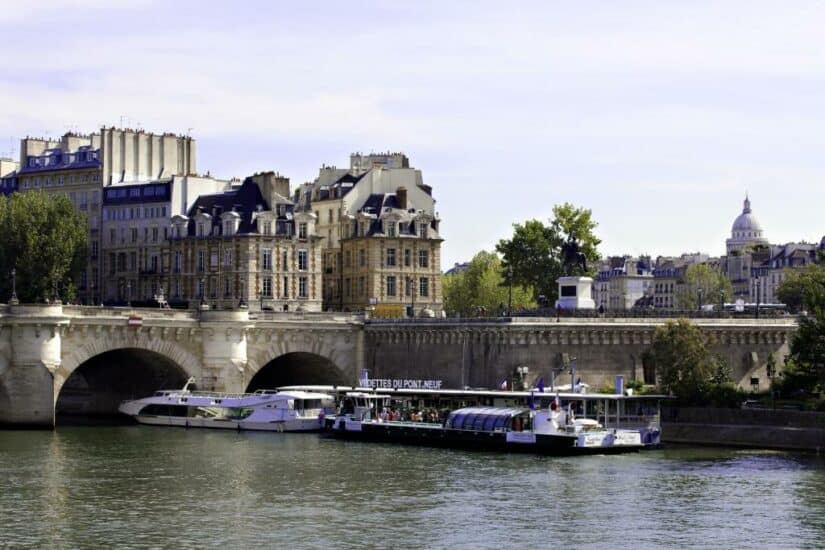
point(245, 200)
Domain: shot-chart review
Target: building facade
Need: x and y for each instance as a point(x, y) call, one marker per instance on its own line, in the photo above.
point(381, 245)
point(237, 249)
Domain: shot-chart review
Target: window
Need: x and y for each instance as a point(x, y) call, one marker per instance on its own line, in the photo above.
point(302, 260)
point(390, 257)
point(302, 287)
point(176, 262)
point(266, 259)
point(408, 286)
point(347, 259)
point(200, 229)
point(347, 286)
point(362, 285)
point(390, 229)
point(422, 230)
point(201, 260)
point(362, 257)
point(285, 289)
point(227, 284)
point(267, 287)
point(391, 285)
point(154, 234)
point(302, 230)
point(407, 257)
point(285, 261)
point(424, 286)
point(267, 228)
point(227, 257)
point(132, 261)
point(94, 249)
point(227, 227)
point(201, 288)
point(423, 258)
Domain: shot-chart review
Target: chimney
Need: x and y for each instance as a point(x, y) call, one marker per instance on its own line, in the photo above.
point(401, 194)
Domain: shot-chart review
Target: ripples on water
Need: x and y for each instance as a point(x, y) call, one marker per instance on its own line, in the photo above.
point(142, 487)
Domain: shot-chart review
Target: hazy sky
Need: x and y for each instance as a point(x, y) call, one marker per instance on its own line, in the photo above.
point(658, 116)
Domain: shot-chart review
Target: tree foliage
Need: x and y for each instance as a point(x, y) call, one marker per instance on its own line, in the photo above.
point(482, 288)
point(685, 367)
point(44, 240)
point(702, 282)
point(803, 288)
point(534, 252)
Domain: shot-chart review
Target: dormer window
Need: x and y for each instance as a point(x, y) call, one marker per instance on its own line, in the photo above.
point(302, 230)
point(267, 228)
point(201, 228)
point(228, 228)
point(389, 229)
point(422, 230)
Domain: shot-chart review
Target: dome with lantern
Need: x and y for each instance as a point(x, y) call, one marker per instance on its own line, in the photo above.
point(746, 230)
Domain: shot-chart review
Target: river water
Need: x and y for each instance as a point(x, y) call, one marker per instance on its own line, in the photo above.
point(138, 486)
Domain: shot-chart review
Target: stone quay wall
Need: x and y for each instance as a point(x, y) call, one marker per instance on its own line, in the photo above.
point(755, 428)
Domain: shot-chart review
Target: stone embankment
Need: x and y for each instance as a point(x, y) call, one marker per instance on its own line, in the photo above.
point(758, 428)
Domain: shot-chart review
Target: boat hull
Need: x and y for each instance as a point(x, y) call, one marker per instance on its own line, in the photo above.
point(292, 425)
point(435, 435)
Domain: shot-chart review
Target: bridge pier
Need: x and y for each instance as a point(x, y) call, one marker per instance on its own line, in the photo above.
point(224, 343)
point(33, 349)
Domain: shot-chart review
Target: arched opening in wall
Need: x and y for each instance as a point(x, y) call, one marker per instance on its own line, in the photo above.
point(298, 369)
point(94, 390)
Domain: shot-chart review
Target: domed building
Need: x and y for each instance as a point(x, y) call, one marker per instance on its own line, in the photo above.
point(746, 231)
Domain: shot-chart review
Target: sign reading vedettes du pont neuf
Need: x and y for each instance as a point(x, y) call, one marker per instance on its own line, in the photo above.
point(405, 383)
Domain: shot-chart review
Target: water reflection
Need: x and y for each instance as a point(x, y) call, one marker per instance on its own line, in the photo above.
point(138, 486)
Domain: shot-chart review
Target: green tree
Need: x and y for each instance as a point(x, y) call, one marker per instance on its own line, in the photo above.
point(702, 282)
point(803, 288)
point(534, 252)
point(44, 240)
point(482, 285)
point(684, 365)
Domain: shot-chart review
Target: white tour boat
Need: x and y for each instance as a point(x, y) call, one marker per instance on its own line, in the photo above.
point(266, 410)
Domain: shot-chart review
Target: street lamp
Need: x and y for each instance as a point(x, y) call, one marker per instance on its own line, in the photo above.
point(510, 295)
point(411, 287)
point(758, 288)
point(572, 373)
point(129, 292)
point(13, 286)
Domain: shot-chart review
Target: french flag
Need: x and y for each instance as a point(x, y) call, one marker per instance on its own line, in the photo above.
point(503, 384)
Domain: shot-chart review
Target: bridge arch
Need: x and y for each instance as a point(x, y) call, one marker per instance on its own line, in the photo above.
point(298, 360)
point(95, 377)
point(298, 368)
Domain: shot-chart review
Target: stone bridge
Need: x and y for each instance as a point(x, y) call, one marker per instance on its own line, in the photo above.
point(84, 360)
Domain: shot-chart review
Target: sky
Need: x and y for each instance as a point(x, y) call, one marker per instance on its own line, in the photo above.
point(657, 116)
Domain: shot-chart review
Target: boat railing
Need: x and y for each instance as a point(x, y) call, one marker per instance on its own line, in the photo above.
point(629, 420)
point(215, 395)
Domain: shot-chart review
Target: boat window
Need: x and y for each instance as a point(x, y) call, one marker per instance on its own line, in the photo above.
point(501, 422)
point(479, 421)
point(489, 422)
point(456, 420)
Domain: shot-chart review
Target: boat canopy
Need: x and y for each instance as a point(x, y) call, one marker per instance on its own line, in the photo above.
point(486, 419)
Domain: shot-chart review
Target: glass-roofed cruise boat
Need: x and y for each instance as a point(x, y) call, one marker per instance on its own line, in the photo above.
point(570, 423)
point(265, 410)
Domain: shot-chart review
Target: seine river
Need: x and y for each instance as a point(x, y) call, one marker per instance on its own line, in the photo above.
point(132, 486)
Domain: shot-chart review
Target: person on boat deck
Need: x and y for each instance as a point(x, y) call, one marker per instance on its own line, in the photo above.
point(383, 415)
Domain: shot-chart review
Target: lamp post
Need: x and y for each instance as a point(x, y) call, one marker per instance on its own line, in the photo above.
point(129, 292)
point(412, 295)
point(758, 288)
point(202, 291)
point(572, 373)
point(13, 300)
point(510, 294)
point(700, 291)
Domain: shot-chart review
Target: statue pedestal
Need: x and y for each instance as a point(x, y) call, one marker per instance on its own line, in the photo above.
point(575, 293)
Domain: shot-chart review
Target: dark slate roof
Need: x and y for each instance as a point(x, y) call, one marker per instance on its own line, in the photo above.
point(60, 160)
point(244, 200)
